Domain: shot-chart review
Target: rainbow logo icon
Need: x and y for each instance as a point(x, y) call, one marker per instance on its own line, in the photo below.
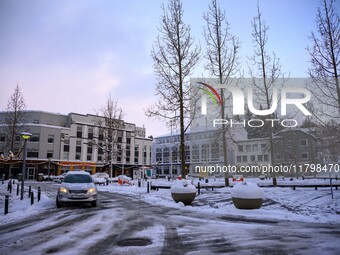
point(211, 92)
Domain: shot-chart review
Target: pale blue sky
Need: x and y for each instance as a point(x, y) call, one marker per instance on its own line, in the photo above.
point(68, 56)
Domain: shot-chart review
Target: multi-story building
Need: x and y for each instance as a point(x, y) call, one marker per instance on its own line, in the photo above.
point(203, 148)
point(291, 146)
point(61, 143)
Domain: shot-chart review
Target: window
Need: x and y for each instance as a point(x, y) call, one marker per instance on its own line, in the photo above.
point(34, 138)
point(32, 154)
point(245, 158)
point(266, 157)
point(304, 155)
point(78, 147)
point(49, 154)
point(238, 159)
point(278, 156)
point(66, 147)
point(240, 148)
point(50, 139)
point(259, 158)
point(79, 132)
point(255, 147)
point(263, 146)
point(90, 133)
point(2, 138)
point(303, 142)
point(89, 149)
point(248, 147)
point(137, 154)
point(66, 155)
point(253, 158)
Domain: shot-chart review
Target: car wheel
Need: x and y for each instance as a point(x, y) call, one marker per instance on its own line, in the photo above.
point(93, 203)
point(58, 204)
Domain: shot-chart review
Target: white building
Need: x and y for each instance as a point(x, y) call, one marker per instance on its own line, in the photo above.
point(61, 143)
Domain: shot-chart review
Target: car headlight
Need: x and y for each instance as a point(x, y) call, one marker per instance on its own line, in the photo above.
point(63, 190)
point(92, 190)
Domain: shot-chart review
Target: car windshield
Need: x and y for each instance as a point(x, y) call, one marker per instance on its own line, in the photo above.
point(77, 178)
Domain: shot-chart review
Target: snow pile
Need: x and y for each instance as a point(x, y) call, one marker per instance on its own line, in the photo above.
point(247, 190)
point(183, 186)
point(20, 209)
point(124, 178)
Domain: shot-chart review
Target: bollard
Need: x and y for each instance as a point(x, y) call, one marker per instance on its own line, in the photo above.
point(29, 191)
point(32, 198)
point(6, 204)
point(148, 187)
point(199, 188)
point(139, 183)
point(39, 193)
point(274, 181)
point(18, 189)
point(9, 186)
point(226, 182)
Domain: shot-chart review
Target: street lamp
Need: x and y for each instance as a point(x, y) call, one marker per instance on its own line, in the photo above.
point(25, 136)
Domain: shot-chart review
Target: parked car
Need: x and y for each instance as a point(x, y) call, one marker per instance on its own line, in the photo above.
point(238, 178)
point(100, 178)
point(77, 187)
point(59, 178)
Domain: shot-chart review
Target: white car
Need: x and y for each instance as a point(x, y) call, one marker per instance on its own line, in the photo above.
point(100, 178)
point(77, 187)
point(59, 178)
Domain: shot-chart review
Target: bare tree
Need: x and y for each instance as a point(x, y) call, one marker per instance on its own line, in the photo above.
point(14, 121)
point(109, 123)
point(174, 56)
point(222, 56)
point(325, 62)
point(268, 67)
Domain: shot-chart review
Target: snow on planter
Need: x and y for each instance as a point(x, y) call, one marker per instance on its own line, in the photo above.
point(247, 195)
point(183, 191)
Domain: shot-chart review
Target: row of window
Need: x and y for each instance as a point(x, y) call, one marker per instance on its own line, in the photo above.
point(265, 157)
point(252, 158)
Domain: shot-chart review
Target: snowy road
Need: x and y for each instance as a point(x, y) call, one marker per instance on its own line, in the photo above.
point(128, 225)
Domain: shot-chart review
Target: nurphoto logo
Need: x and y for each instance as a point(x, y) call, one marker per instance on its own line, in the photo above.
point(295, 97)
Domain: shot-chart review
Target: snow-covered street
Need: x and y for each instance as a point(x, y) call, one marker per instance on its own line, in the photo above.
point(128, 220)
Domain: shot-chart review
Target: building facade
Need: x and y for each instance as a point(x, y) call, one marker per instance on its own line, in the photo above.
point(204, 149)
point(61, 143)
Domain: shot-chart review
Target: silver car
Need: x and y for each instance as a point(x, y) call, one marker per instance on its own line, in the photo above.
point(77, 187)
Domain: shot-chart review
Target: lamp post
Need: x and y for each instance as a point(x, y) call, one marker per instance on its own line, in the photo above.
point(25, 136)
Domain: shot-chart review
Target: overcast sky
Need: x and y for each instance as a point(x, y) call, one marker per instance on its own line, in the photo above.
point(68, 56)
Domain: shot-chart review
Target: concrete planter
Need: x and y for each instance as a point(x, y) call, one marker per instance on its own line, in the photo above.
point(183, 191)
point(185, 198)
point(247, 203)
point(247, 195)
